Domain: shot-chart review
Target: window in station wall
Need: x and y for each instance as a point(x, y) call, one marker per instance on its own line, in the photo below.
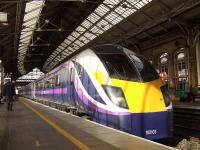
point(150, 60)
point(181, 72)
point(163, 67)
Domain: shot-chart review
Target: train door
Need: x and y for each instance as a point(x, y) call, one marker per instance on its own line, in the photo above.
point(61, 87)
point(84, 78)
point(77, 90)
point(66, 86)
point(58, 90)
point(71, 88)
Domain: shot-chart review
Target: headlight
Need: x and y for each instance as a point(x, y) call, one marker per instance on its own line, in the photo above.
point(166, 95)
point(116, 95)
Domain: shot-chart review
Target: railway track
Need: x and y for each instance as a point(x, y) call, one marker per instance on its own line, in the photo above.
point(187, 121)
point(186, 124)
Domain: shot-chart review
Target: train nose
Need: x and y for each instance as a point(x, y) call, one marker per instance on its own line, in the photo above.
point(153, 125)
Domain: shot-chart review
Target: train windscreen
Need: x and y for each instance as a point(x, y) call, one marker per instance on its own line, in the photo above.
point(119, 66)
point(145, 69)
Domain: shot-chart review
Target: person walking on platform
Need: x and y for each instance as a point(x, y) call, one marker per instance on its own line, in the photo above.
point(9, 93)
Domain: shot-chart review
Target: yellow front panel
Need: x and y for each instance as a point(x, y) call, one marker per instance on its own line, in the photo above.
point(142, 97)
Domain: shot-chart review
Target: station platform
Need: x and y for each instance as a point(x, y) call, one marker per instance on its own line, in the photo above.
point(33, 126)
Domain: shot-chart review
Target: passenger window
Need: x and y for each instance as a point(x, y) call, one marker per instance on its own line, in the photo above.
point(119, 66)
point(71, 74)
point(146, 70)
point(80, 70)
point(58, 80)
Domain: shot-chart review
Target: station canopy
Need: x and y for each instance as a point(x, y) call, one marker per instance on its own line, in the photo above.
point(46, 33)
point(31, 76)
point(105, 16)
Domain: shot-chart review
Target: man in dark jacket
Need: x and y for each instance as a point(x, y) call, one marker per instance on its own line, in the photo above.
point(9, 93)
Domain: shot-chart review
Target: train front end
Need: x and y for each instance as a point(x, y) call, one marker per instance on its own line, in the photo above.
point(134, 85)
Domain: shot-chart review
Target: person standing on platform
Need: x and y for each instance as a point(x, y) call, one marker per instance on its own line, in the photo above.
point(9, 93)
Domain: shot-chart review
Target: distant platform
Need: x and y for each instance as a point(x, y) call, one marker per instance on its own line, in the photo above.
point(189, 105)
point(33, 126)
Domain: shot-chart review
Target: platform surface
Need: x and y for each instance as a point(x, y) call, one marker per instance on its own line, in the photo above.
point(33, 126)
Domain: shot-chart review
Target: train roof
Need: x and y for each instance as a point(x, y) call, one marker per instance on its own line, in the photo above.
point(108, 48)
point(111, 49)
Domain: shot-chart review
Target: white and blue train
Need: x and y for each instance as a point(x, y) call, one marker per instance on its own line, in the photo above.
point(113, 85)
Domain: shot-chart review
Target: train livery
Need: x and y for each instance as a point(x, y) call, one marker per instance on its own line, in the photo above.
point(113, 85)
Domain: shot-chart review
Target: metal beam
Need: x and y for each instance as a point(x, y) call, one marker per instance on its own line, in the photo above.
point(157, 21)
point(89, 28)
point(25, 1)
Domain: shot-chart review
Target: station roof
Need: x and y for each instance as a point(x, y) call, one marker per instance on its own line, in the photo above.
point(45, 33)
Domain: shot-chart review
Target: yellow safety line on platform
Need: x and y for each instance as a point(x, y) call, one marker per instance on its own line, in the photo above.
point(59, 129)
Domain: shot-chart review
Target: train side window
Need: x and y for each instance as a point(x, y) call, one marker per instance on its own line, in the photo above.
point(36, 85)
point(68, 75)
point(57, 80)
point(53, 82)
point(71, 74)
point(48, 83)
point(80, 70)
point(119, 66)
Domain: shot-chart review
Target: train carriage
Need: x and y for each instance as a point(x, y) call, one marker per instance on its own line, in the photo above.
point(113, 85)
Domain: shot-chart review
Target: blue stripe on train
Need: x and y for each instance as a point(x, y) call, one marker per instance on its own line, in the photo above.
point(87, 83)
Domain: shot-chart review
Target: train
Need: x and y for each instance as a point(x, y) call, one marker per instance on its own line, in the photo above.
point(114, 86)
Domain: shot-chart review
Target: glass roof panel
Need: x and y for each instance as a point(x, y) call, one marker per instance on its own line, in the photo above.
point(111, 3)
point(101, 10)
point(139, 4)
point(93, 18)
point(105, 16)
point(113, 18)
point(26, 34)
point(33, 75)
point(30, 22)
point(64, 44)
point(77, 42)
point(71, 38)
point(86, 24)
point(96, 30)
point(70, 48)
point(25, 39)
point(66, 41)
point(61, 47)
point(32, 13)
point(66, 52)
point(104, 25)
point(125, 12)
point(80, 29)
point(89, 35)
point(60, 50)
point(75, 34)
point(120, 10)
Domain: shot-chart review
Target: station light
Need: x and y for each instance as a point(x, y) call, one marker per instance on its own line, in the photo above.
point(3, 18)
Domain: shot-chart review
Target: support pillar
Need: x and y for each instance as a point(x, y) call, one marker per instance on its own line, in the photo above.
point(198, 61)
point(2, 77)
